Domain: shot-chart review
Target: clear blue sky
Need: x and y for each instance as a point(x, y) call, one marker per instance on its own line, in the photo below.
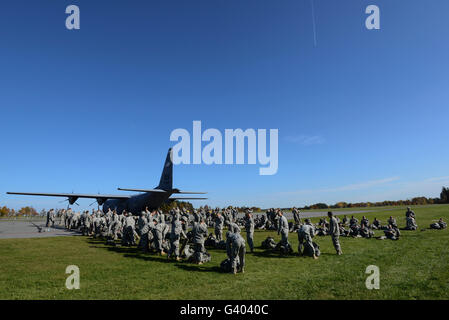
point(362, 116)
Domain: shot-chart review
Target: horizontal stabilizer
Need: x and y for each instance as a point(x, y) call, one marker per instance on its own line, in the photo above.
point(176, 198)
point(190, 192)
point(142, 190)
point(187, 192)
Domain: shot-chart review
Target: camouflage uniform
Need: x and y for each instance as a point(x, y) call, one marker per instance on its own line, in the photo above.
point(236, 250)
point(249, 227)
point(334, 231)
point(305, 234)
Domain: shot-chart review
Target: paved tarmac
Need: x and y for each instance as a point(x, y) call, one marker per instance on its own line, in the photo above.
point(28, 229)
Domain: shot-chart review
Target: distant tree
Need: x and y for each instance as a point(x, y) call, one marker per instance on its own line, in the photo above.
point(4, 212)
point(444, 195)
point(28, 211)
point(166, 207)
point(319, 206)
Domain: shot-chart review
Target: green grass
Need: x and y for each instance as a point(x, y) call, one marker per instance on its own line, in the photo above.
point(415, 267)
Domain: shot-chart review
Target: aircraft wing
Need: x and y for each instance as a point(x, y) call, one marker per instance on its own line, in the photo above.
point(101, 198)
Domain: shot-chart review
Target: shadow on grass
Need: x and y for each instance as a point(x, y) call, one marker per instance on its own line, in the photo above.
point(136, 253)
point(198, 268)
point(273, 254)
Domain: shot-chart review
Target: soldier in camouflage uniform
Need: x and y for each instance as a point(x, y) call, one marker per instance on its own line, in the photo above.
point(236, 250)
point(199, 233)
point(219, 224)
point(175, 236)
point(50, 218)
point(334, 231)
point(305, 235)
point(249, 227)
point(283, 228)
point(158, 236)
point(439, 225)
point(392, 222)
point(296, 215)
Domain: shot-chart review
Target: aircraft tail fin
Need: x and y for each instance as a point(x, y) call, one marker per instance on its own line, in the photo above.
point(166, 182)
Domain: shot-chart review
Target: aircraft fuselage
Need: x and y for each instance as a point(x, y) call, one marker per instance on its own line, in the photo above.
point(137, 203)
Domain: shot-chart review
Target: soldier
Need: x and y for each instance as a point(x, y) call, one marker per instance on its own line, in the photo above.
point(141, 222)
point(376, 224)
point(305, 234)
point(411, 223)
point(199, 232)
point(128, 230)
point(283, 228)
point(409, 213)
point(219, 223)
point(175, 235)
point(234, 214)
point(296, 216)
point(439, 225)
point(233, 227)
point(392, 233)
point(334, 231)
point(364, 222)
point(249, 226)
point(353, 221)
point(366, 232)
point(236, 250)
point(196, 216)
point(115, 226)
point(50, 218)
point(345, 220)
point(158, 236)
point(392, 222)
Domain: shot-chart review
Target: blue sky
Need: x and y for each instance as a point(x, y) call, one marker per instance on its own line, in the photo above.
point(362, 116)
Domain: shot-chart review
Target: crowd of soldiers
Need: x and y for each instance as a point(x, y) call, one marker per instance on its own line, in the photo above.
point(183, 235)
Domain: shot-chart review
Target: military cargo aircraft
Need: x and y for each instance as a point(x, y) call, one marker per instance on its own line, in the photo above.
point(151, 198)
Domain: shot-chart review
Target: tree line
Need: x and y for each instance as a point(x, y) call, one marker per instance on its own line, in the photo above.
point(25, 211)
point(444, 198)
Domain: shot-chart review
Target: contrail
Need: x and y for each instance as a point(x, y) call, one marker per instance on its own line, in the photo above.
point(313, 23)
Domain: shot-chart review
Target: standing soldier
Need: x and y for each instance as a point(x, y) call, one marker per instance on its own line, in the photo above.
point(50, 218)
point(296, 217)
point(199, 232)
point(158, 236)
point(334, 231)
point(175, 235)
point(283, 228)
point(249, 226)
point(128, 230)
point(219, 223)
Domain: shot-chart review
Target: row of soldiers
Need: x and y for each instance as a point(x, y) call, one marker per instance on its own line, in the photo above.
point(168, 234)
point(164, 233)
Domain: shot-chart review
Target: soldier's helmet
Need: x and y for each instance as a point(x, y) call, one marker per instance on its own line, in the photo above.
point(307, 220)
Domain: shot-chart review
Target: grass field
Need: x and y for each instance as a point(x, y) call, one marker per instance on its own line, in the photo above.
point(415, 267)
